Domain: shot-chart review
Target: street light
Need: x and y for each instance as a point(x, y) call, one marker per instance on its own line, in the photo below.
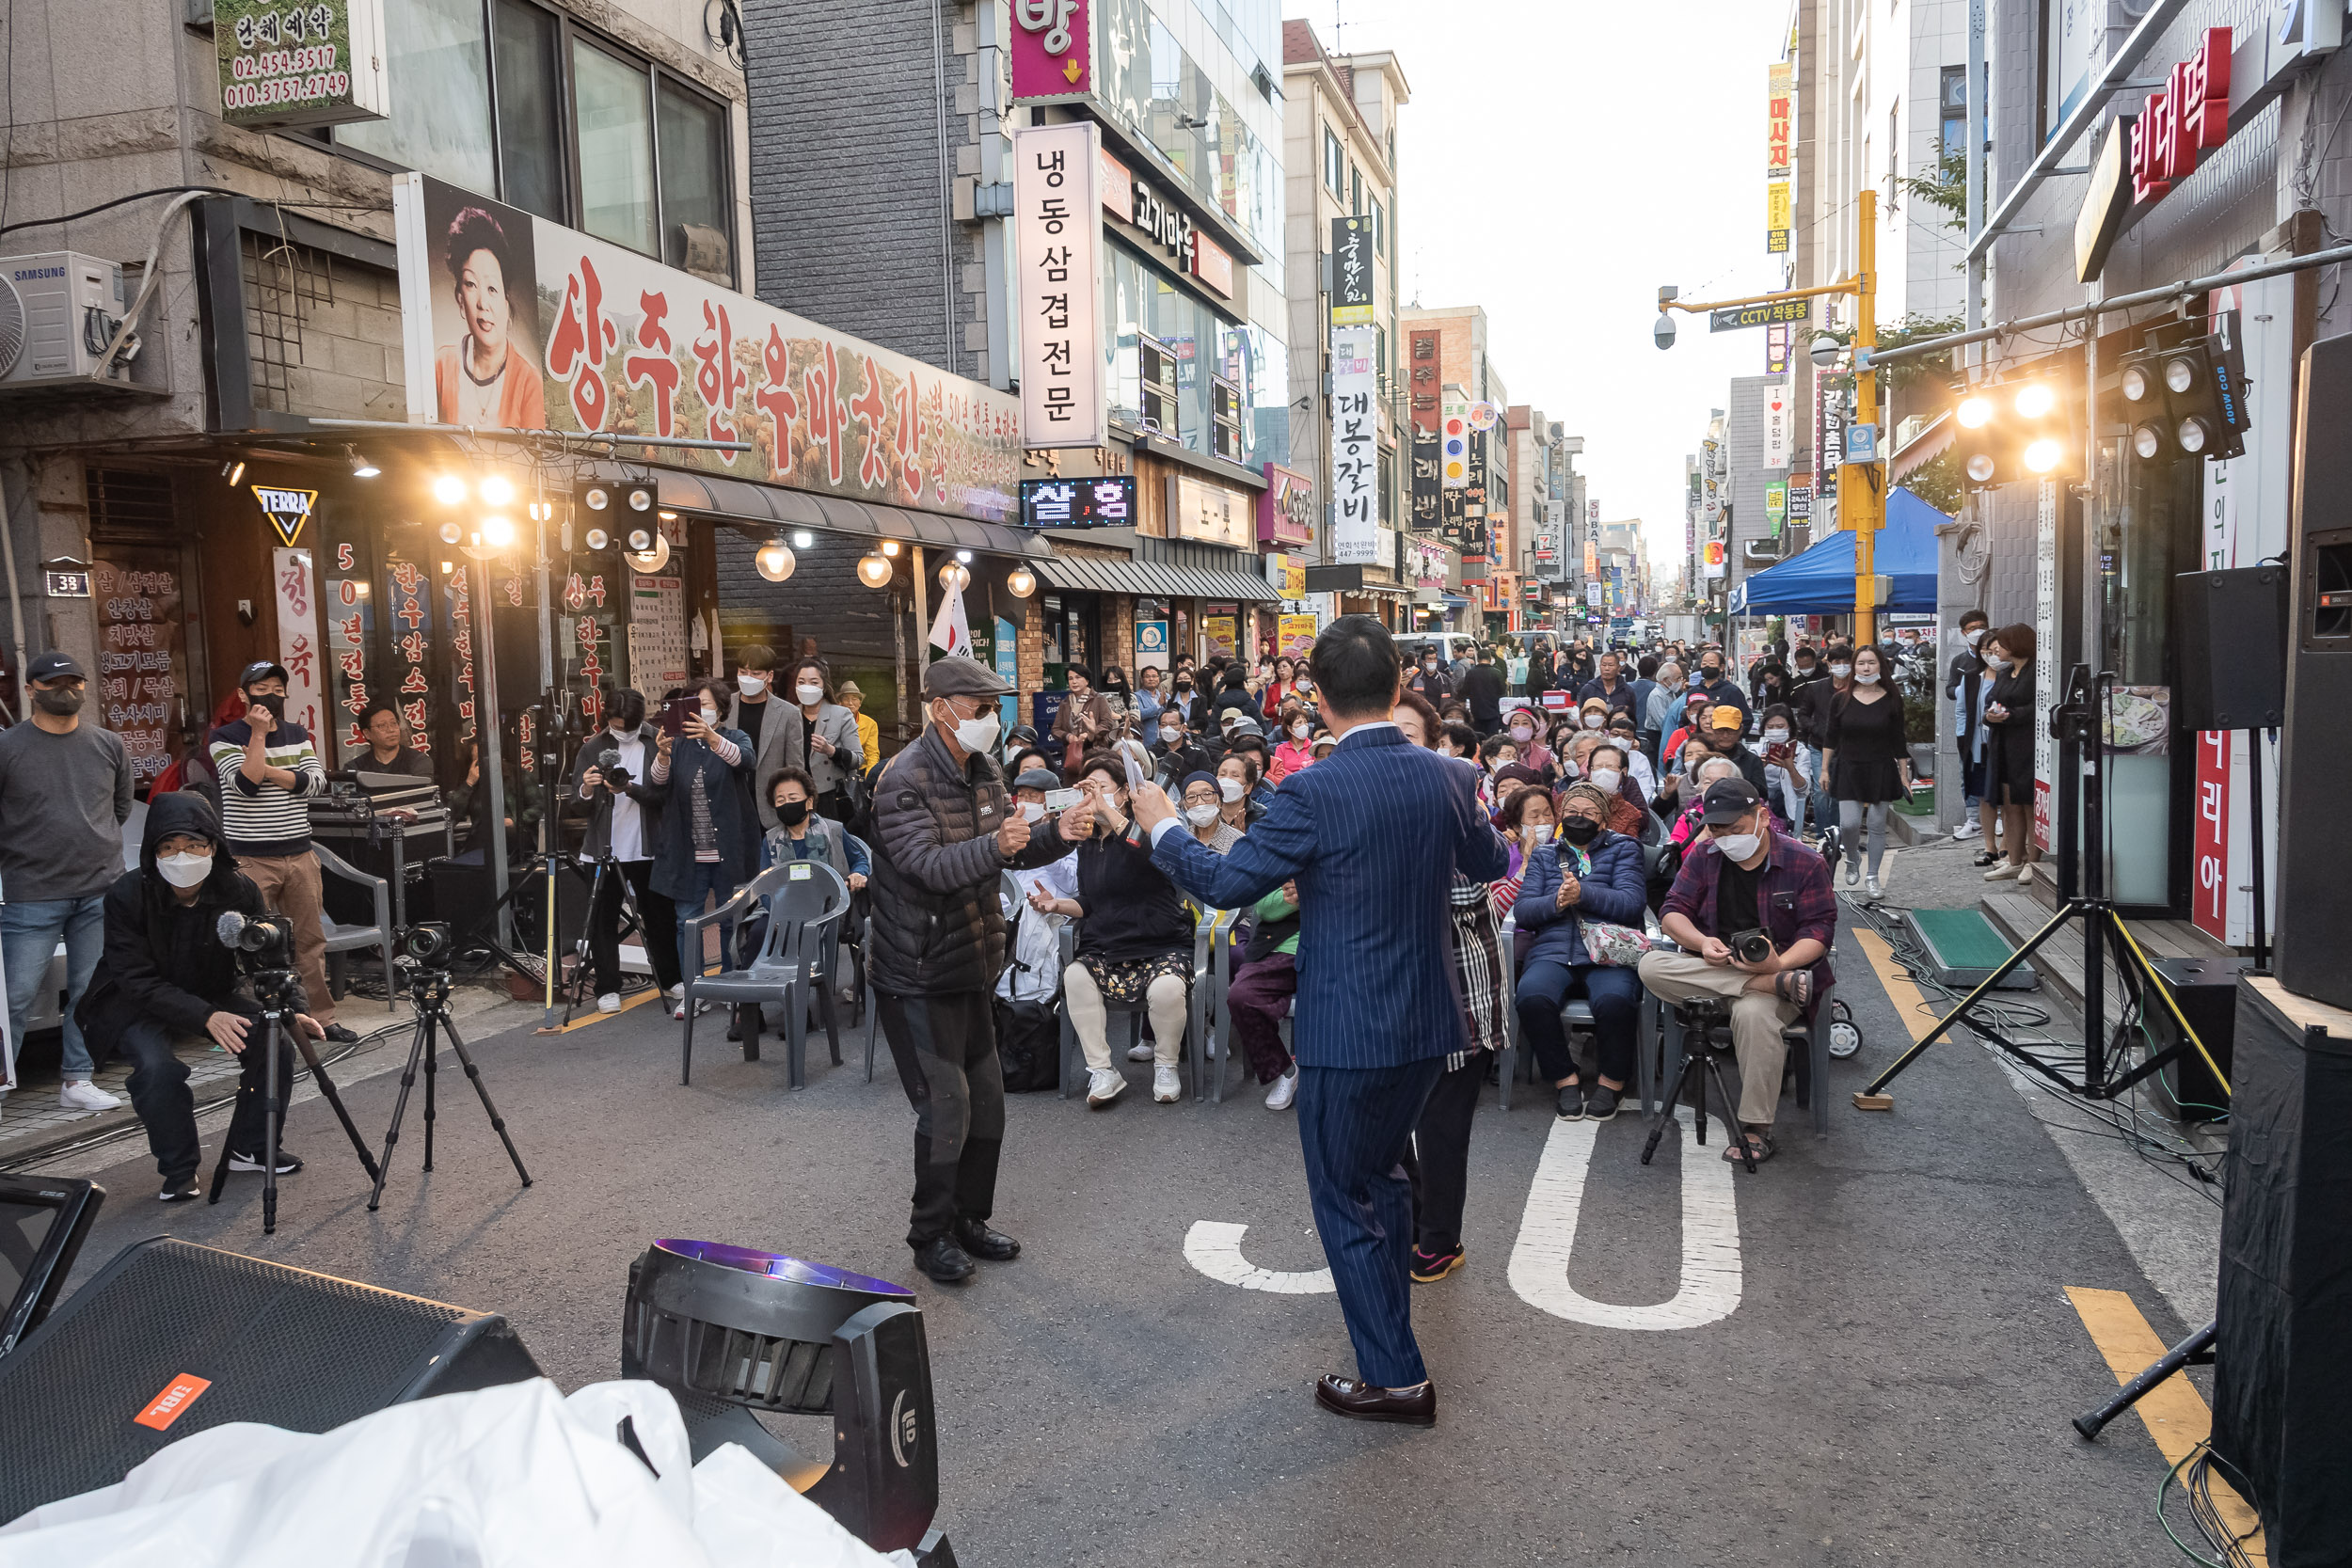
point(873, 569)
point(775, 561)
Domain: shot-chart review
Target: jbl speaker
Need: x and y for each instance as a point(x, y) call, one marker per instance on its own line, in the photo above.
point(2315, 755)
point(170, 1337)
point(2230, 630)
point(2282, 1363)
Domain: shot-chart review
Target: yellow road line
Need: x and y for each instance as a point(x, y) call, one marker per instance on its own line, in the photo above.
point(586, 1019)
point(1910, 1005)
point(2173, 1411)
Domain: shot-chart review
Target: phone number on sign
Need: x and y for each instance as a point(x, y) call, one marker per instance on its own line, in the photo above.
point(283, 62)
point(291, 89)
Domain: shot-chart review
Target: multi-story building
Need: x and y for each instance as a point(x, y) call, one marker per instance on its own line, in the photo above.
point(1446, 359)
point(1340, 117)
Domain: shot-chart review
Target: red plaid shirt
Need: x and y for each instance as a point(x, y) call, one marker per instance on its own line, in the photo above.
point(1797, 897)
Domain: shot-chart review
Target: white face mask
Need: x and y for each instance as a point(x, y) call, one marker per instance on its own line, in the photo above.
point(1974, 636)
point(1866, 680)
point(1301, 729)
point(1032, 810)
point(1841, 670)
point(1201, 817)
point(184, 870)
point(1230, 789)
point(1995, 662)
point(1738, 846)
point(623, 731)
point(1538, 833)
point(751, 686)
point(1775, 736)
point(1521, 734)
point(810, 695)
point(710, 716)
point(1595, 720)
point(1606, 779)
point(978, 735)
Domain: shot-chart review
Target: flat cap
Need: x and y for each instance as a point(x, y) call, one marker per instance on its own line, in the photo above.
point(1038, 778)
point(963, 677)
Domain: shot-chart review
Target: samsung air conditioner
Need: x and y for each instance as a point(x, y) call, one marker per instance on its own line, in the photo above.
point(59, 310)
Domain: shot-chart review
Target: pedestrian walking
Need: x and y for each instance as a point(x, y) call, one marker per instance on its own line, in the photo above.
point(65, 792)
point(1372, 836)
point(943, 833)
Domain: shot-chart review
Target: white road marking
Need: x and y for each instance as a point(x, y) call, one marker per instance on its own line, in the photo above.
point(1709, 1288)
point(1214, 1249)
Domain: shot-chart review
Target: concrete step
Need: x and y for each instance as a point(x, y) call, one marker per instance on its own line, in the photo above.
point(2018, 912)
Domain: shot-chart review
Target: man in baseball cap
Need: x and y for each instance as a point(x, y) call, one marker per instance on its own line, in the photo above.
point(1725, 725)
point(1754, 915)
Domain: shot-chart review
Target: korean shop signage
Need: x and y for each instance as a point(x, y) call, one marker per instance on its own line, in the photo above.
point(1050, 55)
point(1351, 271)
point(1286, 510)
point(1734, 318)
point(513, 323)
point(2185, 122)
point(1060, 236)
point(1107, 502)
point(306, 62)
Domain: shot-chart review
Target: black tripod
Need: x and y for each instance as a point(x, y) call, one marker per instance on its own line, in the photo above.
point(1699, 1021)
point(279, 991)
point(428, 989)
point(630, 919)
point(2195, 1351)
point(2081, 790)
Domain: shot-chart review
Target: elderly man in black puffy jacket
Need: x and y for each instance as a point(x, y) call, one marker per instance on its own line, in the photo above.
point(944, 832)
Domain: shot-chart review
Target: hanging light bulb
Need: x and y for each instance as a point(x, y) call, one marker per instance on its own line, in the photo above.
point(449, 489)
point(361, 467)
point(496, 490)
point(890, 547)
point(775, 561)
point(1020, 582)
point(952, 575)
point(873, 569)
point(598, 539)
point(497, 531)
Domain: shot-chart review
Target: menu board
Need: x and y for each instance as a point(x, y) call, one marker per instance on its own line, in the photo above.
point(142, 685)
point(657, 635)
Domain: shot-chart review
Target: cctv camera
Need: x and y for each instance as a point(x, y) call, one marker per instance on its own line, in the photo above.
point(1825, 351)
point(1664, 330)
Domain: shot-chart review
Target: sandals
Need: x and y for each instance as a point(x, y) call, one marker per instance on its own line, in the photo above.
point(1794, 986)
point(1760, 1143)
point(1986, 857)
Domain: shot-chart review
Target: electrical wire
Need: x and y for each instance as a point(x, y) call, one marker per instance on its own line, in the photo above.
point(2164, 1489)
point(167, 190)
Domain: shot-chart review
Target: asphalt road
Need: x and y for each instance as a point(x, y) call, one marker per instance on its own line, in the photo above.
point(1893, 1385)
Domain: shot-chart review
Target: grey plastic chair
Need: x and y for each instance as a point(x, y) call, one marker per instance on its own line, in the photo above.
point(344, 940)
point(806, 901)
point(1577, 1014)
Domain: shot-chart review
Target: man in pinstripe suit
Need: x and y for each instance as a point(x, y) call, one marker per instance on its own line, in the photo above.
point(1372, 836)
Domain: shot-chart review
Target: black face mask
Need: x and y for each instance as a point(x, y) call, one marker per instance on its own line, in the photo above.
point(1579, 830)
point(59, 703)
point(273, 701)
point(793, 813)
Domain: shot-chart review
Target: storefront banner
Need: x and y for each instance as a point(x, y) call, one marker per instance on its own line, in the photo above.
point(1295, 636)
point(1779, 217)
point(1217, 633)
point(2046, 576)
point(310, 62)
point(1780, 418)
point(350, 631)
point(1351, 271)
point(1355, 437)
point(1286, 509)
point(298, 645)
point(1210, 513)
point(1006, 651)
point(1780, 88)
point(513, 323)
point(141, 692)
point(1150, 645)
point(1422, 375)
point(1050, 54)
point(1058, 229)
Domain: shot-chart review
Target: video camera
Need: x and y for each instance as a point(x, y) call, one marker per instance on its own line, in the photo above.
point(429, 942)
point(609, 763)
point(265, 944)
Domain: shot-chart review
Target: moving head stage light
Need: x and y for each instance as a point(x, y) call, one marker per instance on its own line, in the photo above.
point(731, 1331)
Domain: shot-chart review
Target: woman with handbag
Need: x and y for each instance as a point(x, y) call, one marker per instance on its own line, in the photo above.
point(1583, 898)
point(1083, 722)
point(837, 754)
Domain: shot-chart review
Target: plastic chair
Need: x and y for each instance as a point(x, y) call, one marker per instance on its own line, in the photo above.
point(341, 939)
point(1196, 1026)
point(807, 902)
point(1577, 1014)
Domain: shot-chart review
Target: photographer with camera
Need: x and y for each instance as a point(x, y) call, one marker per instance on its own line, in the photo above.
point(624, 823)
point(1753, 913)
point(167, 974)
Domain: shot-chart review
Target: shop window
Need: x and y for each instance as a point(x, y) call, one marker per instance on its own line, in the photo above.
point(1334, 163)
point(530, 124)
point(440, 92)
point(612, 106)
point(1953, 98)
point(693, 142)
point(1379, 230)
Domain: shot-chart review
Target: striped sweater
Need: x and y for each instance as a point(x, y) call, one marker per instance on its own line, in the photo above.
point(267, 818)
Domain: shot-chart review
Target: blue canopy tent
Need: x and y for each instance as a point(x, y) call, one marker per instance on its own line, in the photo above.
point(1820, 581)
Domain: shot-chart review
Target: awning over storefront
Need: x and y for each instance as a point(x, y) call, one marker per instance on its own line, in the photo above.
point(771, 506)
point(1820, 581)
point(1152, 580)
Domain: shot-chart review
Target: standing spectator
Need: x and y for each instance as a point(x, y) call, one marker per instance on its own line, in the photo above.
point(624, 821)
point(1180, 755)
point(1121, 700)
point(1783, 784)
point(1868, 763)
point(1083, 721)
point(1587, 874)
point(1811, 713)
point(1540, 677)
point(1965, 688)
point(1726, 728)
point(834, 748)
point(387, 746)
point(1661, 716)
point(1482, 689)
point(2009, 712)
point(1722, 691)
point(472, 802)
point(1615, 692)
point(1533, 752)
point(709, 835)
point(868, 733)
point(1296, 751)
point(1644, 684)
point(1283, 685)
point(1183, 691)
point(1150, 699)
point(1430, 681)
point(65, 791)
point(777, 733)
point(942, 834)
point(268, 773)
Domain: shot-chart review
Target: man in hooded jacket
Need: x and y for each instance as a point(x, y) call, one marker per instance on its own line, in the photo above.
point(166, 974)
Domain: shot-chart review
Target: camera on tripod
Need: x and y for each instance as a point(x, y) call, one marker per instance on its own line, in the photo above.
point(429, 942)
point(265, 943)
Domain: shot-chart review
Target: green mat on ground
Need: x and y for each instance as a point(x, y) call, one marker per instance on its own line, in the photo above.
point(1922, 801)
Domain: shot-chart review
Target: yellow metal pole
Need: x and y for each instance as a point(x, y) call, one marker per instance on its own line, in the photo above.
point(1861, 501)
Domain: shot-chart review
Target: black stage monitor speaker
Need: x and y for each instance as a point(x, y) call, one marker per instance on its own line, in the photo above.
point(2315, 755)
point(2282, 1365)
point(172, 1338)
point(2205, 990)
point(42, 1221)
point(2231, 628)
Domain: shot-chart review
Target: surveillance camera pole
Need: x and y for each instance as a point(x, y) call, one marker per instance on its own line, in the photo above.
point(1860, 489)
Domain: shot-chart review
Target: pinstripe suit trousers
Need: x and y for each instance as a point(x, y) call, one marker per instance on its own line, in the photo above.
point(1353, 1124)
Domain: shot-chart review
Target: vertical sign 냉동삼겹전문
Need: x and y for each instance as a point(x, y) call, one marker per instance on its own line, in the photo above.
point(1355, 446)
point(1059, 227)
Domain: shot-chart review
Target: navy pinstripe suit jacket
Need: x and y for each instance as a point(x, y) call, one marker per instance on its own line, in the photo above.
point(1372, 834)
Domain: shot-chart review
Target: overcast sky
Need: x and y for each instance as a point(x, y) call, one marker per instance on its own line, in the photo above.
point(1560, 160)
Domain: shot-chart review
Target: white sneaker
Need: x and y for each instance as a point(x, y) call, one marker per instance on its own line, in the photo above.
point(1104, 1085)
point(2024, 873)
point(1870, 889)
point(608, 1003)
point(83, 1095)
point(1854, 873)
point(1285, 1090)
point(1141, 1051)
point(2001, 872)
point(1968, 830)
point(1167, 1086)
point(678, 993)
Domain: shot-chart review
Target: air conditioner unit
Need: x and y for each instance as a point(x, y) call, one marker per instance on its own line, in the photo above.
point(1761, 549)
point(59, 310)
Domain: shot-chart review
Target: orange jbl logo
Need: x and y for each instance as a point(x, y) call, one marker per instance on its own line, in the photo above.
point(173, 1403)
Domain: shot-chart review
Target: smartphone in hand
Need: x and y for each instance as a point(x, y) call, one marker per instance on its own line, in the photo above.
point(677, 710)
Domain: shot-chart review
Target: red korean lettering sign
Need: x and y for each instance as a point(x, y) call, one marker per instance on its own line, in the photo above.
point(2179, 125)
point(2209, 839)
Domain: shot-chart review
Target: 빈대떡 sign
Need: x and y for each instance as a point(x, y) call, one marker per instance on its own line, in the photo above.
point(302, 62)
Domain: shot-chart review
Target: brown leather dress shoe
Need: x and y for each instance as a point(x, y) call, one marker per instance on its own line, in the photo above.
point(1344, 1396)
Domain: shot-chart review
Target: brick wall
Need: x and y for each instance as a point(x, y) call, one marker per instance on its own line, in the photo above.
point(322, 331)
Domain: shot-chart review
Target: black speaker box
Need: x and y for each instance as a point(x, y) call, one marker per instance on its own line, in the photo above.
point(2230, 631)
point(2315, 755)
point(2283, 1364)
point(170, 1337)
point(2205, 990)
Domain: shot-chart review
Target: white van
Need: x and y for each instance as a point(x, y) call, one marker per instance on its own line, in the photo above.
point(1451, 646)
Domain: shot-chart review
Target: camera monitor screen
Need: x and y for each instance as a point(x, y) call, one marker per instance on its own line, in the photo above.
point(42, 1221)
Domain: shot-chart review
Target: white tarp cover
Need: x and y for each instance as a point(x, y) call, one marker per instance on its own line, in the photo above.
point(504, 1478)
